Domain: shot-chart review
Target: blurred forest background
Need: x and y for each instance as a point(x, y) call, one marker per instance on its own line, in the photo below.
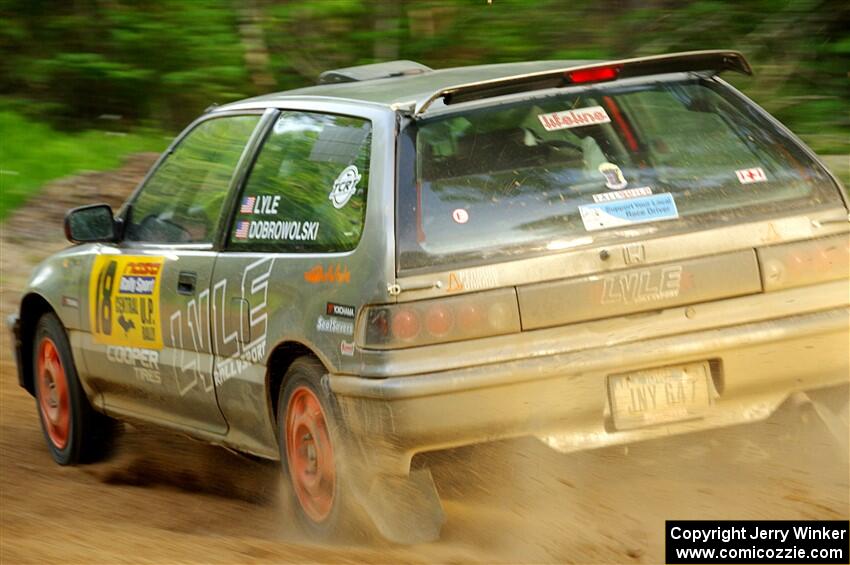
point(85, 82)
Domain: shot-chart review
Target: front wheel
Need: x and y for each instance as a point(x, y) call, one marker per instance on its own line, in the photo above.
point(74, 432)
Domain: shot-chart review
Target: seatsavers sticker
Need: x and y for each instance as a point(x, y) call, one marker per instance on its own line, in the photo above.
point(124, 300)
point(604, 215)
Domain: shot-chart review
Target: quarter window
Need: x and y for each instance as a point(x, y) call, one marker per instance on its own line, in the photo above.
point(307, 189)
point(183, 199)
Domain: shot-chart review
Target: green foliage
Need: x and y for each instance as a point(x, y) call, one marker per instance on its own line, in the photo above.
point(165, 61)
point(40, 153)
point(800, 49)
point(153, 59)
point(159, 63)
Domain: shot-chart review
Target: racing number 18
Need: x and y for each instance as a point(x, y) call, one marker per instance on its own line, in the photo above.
point(103, 306)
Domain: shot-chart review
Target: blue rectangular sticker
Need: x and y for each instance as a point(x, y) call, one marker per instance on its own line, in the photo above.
point(605, 215)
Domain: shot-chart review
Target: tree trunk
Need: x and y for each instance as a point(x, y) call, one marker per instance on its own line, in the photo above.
point(250, 27)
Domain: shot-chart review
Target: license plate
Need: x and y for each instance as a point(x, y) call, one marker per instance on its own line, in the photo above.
point(657, 396)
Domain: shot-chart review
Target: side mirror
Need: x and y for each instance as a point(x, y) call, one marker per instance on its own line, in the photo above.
point(88, 224)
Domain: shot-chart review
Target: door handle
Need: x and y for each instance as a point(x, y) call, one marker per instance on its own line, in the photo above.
point(186, 282)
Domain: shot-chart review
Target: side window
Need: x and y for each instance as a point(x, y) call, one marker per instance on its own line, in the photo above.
point(182, 201)
point(307, 189)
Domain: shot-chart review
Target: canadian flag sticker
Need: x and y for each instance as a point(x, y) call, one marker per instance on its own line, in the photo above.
point(749, 176)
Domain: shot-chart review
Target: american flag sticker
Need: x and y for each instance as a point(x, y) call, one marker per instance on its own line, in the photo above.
point(242, 229)
point(247, 205)
point(749, 176)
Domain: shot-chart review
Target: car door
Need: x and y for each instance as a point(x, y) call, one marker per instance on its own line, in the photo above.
point(286, 256)
point(149, 297)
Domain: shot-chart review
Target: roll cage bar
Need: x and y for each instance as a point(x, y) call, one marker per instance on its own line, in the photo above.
point(692, 61)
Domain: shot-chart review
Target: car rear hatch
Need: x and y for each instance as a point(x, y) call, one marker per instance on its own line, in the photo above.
point(624, 191)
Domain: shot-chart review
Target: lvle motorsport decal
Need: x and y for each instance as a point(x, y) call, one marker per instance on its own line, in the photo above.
point(124, 300)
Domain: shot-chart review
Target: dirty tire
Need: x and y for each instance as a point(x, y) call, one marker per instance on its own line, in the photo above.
point(74, 432)
point(313, 456)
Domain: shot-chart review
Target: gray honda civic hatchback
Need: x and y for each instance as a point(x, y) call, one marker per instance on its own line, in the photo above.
point(403, 260)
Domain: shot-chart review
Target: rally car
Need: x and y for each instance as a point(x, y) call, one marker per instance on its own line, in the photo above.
point(402, 260)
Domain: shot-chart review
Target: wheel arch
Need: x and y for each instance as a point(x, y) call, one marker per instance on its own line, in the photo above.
point(280, 359)
point(33, 307)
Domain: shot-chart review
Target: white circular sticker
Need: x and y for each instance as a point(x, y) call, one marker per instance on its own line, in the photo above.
point(460, 216)
point(345, 186)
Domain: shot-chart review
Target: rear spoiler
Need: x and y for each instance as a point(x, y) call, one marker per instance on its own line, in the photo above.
point(691, 61)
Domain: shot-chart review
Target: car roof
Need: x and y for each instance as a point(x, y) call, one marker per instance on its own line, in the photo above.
point(414, 88)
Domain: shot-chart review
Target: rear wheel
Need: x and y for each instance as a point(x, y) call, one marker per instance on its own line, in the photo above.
point(313, 454)
point(74, 432)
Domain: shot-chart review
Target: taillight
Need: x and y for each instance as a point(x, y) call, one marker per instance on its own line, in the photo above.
point(805, 262)
point(441, 320)
point(469, 316)
point(405, 324)
point(595, 74)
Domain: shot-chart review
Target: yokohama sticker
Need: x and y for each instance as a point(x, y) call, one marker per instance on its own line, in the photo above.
point(341, 310)
point(574, 118)
point(124, 300)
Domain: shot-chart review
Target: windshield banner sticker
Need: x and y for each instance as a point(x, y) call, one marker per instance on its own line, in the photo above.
point(345, 186)
point(124, 300)
point(749, 176)
point(614, 178)
point(604, 215)
point(574, 118)
point(623, 194)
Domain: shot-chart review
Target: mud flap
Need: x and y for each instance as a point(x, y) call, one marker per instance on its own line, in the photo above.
point(832, 412)
point(404, 510)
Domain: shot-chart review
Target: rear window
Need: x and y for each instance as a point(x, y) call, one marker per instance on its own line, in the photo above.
point(601, 163)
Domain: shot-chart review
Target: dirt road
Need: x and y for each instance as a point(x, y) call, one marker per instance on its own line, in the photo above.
point(164, 498)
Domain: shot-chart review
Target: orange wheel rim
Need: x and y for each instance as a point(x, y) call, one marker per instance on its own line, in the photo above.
point(53, 393)
point(309, 454)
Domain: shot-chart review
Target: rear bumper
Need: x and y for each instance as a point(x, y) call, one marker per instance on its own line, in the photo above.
point(563, 398)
